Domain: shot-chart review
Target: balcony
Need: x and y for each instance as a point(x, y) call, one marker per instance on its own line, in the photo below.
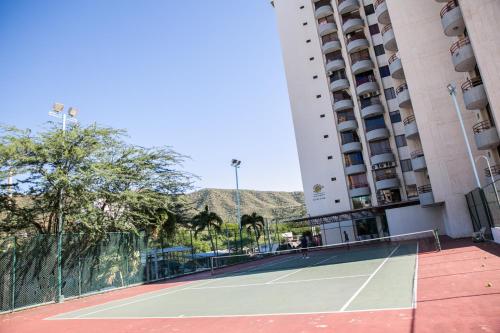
point(403, 96)
point(462, 55)
point(495, 171)
point(366, 85)
point(396, 67)
point(346, 6)
point(361, 65)
point(386, 181)
point(357, 42)
point(425, 195)
point(339, 84)
point(485, 135)
point(331, 46)
point(411, 129)
point(351, 147)
point(452, 19)
point(382, 12)
point(343, 104)
point(323, 11)
point(355, 169)
point(389, 38)
point(382, 156)
point(371, 108)
point(347, 125)
point(377, 134)
point(359, 190)
point(352, 23)
point(418, 161)
point(327, 28)
point(474, 94)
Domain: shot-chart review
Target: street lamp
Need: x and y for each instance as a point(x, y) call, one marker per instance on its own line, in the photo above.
point(491, 175)
point(236, 164)
point(453, 93)
point(58, 112)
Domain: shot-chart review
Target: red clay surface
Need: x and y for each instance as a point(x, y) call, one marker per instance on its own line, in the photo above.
point(458, 291)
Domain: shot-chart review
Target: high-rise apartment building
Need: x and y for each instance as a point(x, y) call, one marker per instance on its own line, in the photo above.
point(374, 122)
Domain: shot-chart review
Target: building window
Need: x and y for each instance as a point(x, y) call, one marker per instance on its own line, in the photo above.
point(374, 123)
point(374, 29)
point(322, 116)
point(337, 200)
point(318, 96)
point(311, 59)
point(369, 9)
point(315, 77)
point(411, 191)
point(334, 179)
point(330, 157)
point(308, 41)
point(361, 202)
point(379, 49)
point(389, 93)
point(301, 7)
point(395, 116)
point(384, 71)
point(305, 23)
point(400, 141)
point(325, 136)
point(406, 165)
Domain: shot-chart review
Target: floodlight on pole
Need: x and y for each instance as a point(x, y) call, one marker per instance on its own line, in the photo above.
point(58, 112)
point(236, 164)
point(453, 93)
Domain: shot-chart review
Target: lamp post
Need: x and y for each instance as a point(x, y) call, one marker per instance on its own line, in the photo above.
point(453, 93)
point(236, 164)
point(57, 112)
point(491, 175)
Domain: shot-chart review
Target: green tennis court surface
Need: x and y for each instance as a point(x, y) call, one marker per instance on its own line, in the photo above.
point(356, 279)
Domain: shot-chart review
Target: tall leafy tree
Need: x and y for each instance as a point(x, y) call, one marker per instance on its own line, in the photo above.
point(92, 176)
point(207, 220)
point(255, 223)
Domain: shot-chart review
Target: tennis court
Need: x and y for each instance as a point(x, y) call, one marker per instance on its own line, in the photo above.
point(380, 276)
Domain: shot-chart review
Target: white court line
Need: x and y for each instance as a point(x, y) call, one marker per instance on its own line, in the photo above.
point(415, 282)
point(367, 281)
point(235, 315)
point(282, 282)
point(298, 270)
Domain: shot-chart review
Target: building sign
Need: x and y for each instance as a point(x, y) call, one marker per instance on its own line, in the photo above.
point(318, 193)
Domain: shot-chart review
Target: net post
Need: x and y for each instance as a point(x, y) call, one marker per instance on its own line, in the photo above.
point(436, 237)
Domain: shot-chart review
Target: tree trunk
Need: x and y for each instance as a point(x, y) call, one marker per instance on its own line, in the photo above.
point(211, 239)
point(257, 238)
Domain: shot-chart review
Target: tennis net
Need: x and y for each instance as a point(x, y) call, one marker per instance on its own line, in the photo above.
point(357, 250)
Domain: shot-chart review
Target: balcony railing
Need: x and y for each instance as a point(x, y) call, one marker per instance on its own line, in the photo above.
point(471, 83)
point(360, 185)
point(448, 7)
point(408, 120)
point(386, 28)
point(416, 154)
point(380, 151)
point(424, 189)
point(393, 58)
point(384, 176)
point(369, 102)
point(402, 87)
point(377, 3)
point(495, 170)
point(459, 44)
point(482, 126)
point(356, 36)
point(365, 79)
point(345, 117)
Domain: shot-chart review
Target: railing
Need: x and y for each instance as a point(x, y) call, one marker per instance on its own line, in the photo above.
point(345, 117)
point(482, 126)
point(470, 83)
point(356, 36)
point(326, 20)
point(448, 7)
point(385, 176)
point(495, 169)
point(380, 151)
point(416, 154)
point(369, 102)
point(408, 120)
point(402, 87)
point(360, 56)
point(424, 189)
point(360, 185)
point(365, 79)
point(376, 126)
point(393, 58)
point(377, 3)
point(458, 44)
point(386, 28)
point(323, 3)
point(335, 55)
point(337, 97)
point(350, 16)
point(329, 38)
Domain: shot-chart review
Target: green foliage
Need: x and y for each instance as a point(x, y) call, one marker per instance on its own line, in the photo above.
point(93, 177)
point(207, 220)
point(255, 223)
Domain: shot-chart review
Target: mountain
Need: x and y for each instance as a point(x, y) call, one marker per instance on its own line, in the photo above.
point(269, 204)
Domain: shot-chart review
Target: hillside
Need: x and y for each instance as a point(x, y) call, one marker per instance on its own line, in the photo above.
point(266, 203)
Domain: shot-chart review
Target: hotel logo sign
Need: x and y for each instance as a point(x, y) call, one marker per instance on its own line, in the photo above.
point(318, 193)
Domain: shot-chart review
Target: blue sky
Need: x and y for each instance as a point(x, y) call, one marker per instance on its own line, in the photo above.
point(205, 77)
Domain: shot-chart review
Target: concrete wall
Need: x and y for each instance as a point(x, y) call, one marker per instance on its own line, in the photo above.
point(414, 218)
point(496, 234)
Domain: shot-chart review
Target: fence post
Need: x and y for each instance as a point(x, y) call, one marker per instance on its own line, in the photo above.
point(13, 280)
point(79, 276)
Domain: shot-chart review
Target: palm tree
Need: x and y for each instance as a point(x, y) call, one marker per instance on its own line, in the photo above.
point(207, 220)
point(253, 222)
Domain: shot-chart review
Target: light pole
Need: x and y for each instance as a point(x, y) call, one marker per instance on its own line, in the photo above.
point(491, 175)
point(236, 164)
point(57, 112)
point(453, 93)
